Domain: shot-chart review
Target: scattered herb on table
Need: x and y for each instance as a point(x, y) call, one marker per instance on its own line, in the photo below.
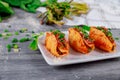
point(15, 47)
point(23, 30)
point(116, 38)
point(0, 35)
point(6, 30)
point(9, 34)
point(24, 39)
point(32, 37)
point(33, 44)
point(14, 40)
point(9, 47)
point(16, 33)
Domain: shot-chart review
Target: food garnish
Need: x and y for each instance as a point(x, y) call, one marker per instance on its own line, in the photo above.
point(14, 42)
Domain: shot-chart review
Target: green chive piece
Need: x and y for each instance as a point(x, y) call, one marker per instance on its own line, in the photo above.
point(16, 33)
point(0, 35)
point(9, 47)
point(116, 38)
point(15, 46)
point(23, 30)
point(9, 34)
point(15, 40)
point(6, 30)
point(24, 39)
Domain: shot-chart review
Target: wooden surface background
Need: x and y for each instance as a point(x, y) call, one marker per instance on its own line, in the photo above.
point(30, 65)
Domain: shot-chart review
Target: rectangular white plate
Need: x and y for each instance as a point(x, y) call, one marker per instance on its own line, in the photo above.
point(75, 57)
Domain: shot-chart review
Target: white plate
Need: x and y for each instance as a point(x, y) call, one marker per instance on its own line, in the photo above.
point(75, 57)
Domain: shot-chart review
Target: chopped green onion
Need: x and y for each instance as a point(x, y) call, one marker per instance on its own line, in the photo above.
point(15, 40)
point(116, 38)
point(9, 47)
point(23, 30)
point(16, 33)
point(33, 45)
point(6, 30)
point(9, 34)
point(24, 39)
point(0, 35)
point(85, 27)
point(15, 46)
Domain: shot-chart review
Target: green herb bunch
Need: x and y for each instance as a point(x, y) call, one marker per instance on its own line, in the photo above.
point(56, 11)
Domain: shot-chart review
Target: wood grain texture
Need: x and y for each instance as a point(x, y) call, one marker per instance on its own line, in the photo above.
point(30, 65)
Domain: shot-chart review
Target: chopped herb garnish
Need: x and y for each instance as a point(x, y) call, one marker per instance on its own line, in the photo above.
point(9, 34)
point(62, 35)
point(16, 33)
point(6, 30)
point(0, 35)
point(33, 44)
point(15, 40)
point(9, 47)
point(24, 39)
point(116, 38)
point(23, 30)
point(15, 46)
point(108, 33)
point(85, 27)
